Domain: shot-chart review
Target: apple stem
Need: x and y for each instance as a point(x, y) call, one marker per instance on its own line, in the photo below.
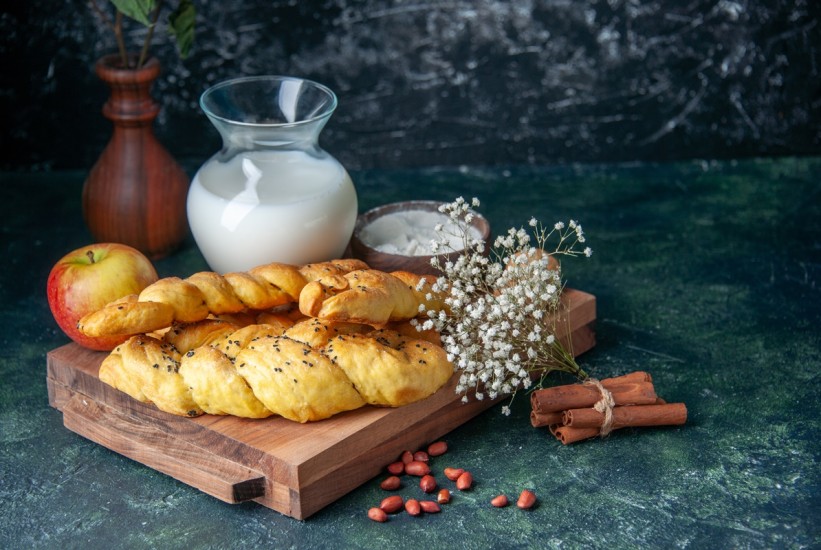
point(90, 255)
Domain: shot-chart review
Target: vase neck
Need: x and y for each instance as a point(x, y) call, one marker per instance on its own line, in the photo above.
point(239, 136)
point(269, 112)
point(130, 102)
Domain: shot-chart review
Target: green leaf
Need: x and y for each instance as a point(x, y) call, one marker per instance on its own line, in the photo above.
point(181, 25)
point(138, 10)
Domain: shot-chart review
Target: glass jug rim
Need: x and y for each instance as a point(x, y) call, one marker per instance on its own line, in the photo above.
point(323, 114)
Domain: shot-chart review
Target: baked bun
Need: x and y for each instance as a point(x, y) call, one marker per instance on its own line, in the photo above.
point(368, 296)
point(207, 294)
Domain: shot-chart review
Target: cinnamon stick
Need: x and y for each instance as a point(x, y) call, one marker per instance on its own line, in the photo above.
point(580, 396)
point(539, 420)
point(671, 414)
point(636, 376)
point(568, 435)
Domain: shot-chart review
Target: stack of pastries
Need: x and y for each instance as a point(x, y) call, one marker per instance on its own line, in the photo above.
point(302, 342)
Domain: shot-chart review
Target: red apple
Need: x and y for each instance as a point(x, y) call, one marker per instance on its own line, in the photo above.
point(90, 277)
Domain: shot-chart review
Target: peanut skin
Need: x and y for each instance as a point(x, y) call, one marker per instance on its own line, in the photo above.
point(412, 507)
point(437, 449)
point(499, 501)
point(453, 473)
point(421, 456)
point(465, 481)
point(527, 499)
point(377, 514)
point(417, 468)
point(391, 504)
point(427, 483)
point(391, 483)
point(429, 507)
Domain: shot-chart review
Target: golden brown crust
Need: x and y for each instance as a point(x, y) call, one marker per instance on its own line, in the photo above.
point(127, 316)
point(203, 294)
point(295, 381)
point(304, 372)
point(368, 296)
point(147, 369)
point(389, 369)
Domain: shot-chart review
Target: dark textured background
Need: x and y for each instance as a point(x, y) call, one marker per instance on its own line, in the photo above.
point(447, 83)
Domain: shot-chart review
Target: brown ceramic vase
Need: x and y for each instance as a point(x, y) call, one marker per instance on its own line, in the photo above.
point(136, 192)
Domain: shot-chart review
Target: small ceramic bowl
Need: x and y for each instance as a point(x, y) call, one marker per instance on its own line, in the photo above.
point(387, 261)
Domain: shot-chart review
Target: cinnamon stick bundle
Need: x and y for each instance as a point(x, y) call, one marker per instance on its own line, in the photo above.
point(631, 389)
point(575, 412)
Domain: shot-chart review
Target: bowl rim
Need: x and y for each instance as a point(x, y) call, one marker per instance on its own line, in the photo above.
point(479, 222)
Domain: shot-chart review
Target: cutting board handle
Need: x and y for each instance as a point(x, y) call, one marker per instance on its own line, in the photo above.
point(128, 435)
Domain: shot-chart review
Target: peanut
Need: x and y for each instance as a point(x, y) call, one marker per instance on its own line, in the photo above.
point(406, 457)
point(429, 507)
point(465, 481)
point(391, 504)
point(499, 501)
point(391, 483)
point(417, 468)
point(443, 497)
point(378, 514)
point(413, 507)
point(453, 473)
point(437, 449)
point(421, 456)
point(526, 500)
point(396, 468)
point(427, 483)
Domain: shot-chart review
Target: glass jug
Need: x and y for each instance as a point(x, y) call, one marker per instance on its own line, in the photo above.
point(271, 194)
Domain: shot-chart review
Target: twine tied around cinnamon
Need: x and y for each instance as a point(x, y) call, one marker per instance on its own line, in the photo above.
point(604, 405)
point(594, 408)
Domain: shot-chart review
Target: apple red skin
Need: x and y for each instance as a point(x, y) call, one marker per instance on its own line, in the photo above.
point(78, 286)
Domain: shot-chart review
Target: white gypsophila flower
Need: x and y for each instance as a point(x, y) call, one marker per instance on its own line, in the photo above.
point(500, 302)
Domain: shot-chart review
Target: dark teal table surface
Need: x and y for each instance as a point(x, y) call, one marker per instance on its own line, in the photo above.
point(707, 274)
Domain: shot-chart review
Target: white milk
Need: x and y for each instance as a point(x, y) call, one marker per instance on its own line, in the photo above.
point(271, 206)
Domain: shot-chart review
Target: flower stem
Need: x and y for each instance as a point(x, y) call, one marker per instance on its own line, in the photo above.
point(118, 34)
point(150, 35)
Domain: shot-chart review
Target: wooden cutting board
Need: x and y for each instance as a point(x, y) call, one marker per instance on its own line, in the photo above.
point(295, 469)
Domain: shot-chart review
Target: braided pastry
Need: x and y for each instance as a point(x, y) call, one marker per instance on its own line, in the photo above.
point(368, 296)
point(147, 367)
point(306, 371)
point(172, 299)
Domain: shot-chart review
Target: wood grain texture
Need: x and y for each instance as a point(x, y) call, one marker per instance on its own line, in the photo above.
point(136, 192)
point(293, 468)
